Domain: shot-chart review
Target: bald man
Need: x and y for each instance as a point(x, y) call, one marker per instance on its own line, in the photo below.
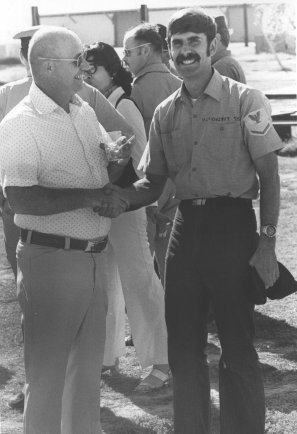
point(10, 95)
point(54, 173)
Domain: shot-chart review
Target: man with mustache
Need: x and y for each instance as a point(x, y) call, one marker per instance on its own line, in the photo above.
point(214, 138)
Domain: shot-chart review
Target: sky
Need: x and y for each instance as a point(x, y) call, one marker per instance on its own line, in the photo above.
point(16, 14)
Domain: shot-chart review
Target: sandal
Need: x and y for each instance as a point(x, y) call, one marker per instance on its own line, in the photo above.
point(114, 369)
point(149, 384)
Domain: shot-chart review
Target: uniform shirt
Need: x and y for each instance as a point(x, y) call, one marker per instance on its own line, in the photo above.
point(208, 148)
point(12, 93)
point(226, 65)
point(152, 85)
point(41, 144)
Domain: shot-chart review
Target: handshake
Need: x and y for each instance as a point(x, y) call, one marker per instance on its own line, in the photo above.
point(111, 201)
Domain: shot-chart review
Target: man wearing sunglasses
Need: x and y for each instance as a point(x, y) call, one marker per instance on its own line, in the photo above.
point(10, 95)
point(54, 173)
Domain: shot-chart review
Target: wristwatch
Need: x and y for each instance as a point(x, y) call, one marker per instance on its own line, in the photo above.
point(268, 230)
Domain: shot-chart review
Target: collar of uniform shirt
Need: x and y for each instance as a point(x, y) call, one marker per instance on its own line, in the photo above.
point(213, 89)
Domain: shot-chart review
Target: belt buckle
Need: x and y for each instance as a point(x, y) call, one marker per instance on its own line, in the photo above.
point(96, 246)
point(201, 201)
point(90, 246)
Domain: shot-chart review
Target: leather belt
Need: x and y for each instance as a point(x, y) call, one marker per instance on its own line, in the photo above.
point(60, 242)
point(221, 200)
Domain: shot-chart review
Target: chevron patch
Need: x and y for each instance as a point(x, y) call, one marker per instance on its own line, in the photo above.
point(258, 122)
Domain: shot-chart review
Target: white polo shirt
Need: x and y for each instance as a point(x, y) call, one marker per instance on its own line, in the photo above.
point(41, 144)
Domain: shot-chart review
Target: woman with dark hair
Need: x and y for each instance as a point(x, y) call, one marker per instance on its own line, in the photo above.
point(131, 265)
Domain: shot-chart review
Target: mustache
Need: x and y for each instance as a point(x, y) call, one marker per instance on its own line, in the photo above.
point(191, 56)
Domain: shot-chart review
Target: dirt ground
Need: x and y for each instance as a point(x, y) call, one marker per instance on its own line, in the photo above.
point(126, 412)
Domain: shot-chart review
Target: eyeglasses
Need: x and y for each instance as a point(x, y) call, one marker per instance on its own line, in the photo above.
point(127, 51)
point(77, 61)
point(92, 68)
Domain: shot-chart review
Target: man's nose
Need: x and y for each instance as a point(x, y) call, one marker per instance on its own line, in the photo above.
point(84, 66)
point(186, 48)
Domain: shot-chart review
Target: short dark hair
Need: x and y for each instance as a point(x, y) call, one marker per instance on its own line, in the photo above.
point(105, 55)
point(162, 30)
point(149, 33)
point(192, 20)
point(223, 30)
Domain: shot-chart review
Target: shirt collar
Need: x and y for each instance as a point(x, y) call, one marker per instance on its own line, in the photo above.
point(213, 88)
point(153, 67)
point(115, 95)
point(44, 104)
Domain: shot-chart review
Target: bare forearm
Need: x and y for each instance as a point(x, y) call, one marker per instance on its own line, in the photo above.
point(37, 200)
point(269, 195)
point(143, 193)
point(270, 201)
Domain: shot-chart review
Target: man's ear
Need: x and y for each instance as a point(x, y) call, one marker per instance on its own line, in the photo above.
point(213, 46)
point(146, 49)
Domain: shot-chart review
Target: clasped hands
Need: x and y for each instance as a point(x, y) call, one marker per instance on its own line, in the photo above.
point(112, 201)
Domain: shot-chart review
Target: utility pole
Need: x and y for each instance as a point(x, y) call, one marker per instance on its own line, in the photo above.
point(35, 16)
point(144, 13)
point(246, 28)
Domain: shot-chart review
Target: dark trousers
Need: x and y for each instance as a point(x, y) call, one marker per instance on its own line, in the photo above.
point(207, 262)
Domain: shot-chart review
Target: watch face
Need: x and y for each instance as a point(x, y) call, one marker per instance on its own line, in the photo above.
point(269, 230)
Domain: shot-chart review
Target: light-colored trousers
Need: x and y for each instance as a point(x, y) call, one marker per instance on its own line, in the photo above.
point(142, 290)
point(64, 306)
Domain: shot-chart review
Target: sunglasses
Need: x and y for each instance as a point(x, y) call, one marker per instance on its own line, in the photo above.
point(127, 51)
point(77, 61)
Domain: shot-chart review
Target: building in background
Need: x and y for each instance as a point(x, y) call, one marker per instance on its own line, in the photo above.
point(109, 26)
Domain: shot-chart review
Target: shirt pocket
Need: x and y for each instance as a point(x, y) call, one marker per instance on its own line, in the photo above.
point(224, 138)
point(174, 149)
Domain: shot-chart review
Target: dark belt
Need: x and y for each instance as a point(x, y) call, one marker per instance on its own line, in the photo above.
point(221, 200)
point(59, 242)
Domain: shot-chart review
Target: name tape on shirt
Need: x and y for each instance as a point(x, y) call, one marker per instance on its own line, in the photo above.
point(258, 122)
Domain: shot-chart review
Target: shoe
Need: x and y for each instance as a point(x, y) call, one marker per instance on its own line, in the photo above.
point(129, 341)
point(17, 403)
point(149, 383)
point(114, 369)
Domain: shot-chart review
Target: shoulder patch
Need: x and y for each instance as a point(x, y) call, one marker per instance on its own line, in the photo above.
point(258, 122)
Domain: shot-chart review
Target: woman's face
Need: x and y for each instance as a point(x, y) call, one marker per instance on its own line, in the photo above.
point(100, 79)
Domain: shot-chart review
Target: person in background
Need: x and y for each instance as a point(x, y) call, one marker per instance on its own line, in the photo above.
point(153, 83)
point(166, 59)
point(129, 249)
point(55, 174)
point(215, 139)
point(222, 60)
point(10, 95)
